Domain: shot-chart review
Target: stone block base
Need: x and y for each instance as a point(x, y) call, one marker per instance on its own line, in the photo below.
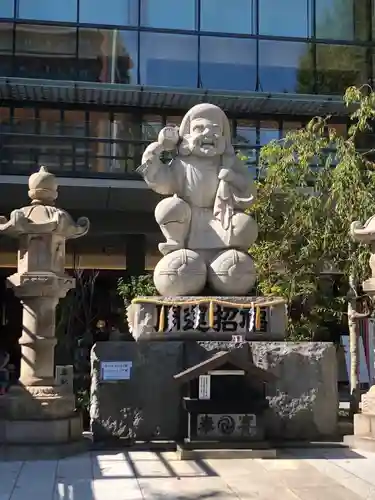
point(37, 403)
point(364, 425)
point(303, 398)
point(364, 432)
point(360, 443)
point(41, 432)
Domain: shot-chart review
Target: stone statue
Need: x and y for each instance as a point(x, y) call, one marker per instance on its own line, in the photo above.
point(203, 221)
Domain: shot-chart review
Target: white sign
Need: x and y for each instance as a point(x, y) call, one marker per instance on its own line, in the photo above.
point(64, 375)
point(237, 339)
point(115, 370)
point(204, 387)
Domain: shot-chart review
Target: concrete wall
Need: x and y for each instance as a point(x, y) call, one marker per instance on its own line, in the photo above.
point(303, 400)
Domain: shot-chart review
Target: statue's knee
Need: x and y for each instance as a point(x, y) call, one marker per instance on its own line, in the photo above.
point(172, 209)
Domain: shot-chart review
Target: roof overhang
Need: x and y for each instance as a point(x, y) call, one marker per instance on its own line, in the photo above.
point(69, 92)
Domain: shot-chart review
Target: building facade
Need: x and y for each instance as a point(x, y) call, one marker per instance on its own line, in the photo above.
point(85, 85)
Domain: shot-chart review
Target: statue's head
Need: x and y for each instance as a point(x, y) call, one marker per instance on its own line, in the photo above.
point(205, 132)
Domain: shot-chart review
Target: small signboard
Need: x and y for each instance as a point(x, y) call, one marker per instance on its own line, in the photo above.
point(64, 375)
point(204, 387)
point(115, 370)
point(237, 339)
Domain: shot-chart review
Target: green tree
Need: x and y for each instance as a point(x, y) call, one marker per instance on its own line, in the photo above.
point(315, 184)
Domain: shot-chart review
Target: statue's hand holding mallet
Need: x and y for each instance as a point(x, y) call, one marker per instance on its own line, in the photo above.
point(168, 138)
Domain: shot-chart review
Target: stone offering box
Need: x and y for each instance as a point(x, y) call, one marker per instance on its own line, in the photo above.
point(145, 401)
point(226, 399)
point(207, 318)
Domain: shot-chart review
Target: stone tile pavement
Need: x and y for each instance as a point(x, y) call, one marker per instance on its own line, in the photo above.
point(314, 474)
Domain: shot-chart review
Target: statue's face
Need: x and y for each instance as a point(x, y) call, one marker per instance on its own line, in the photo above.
point(205, 138)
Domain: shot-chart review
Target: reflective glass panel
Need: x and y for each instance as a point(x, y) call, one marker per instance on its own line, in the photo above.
point(116, 12)
point(5, 159)
point(341, 19)
point(246, 143)
point(108, 56)
point(285, 67)
point(151, 126)
point(228, 63)
point(7, 8)
point(170, 14)
point(173, 121)
point(47, 10)
point(268, 131)
point(50, 122)
point(168, 60)
point(339, 67)
point(290, 127)
point(228, 16)
point(285, 18)
point(46, 52)
point(6, 49)
point(246, 133)
point(21, 149)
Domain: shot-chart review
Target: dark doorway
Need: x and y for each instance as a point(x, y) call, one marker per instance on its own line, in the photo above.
point(10, 321)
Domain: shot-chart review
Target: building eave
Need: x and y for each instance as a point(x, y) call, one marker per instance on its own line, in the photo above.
point(68, 92)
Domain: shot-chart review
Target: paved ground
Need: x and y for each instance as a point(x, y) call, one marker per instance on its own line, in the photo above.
point(318, 474)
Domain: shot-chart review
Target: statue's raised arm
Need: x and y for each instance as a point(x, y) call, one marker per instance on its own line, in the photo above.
point(158, 175)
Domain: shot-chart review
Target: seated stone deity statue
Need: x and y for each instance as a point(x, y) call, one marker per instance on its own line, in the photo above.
point(206, 230)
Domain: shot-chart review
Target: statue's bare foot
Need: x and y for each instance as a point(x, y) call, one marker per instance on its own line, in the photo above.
point(169, 246)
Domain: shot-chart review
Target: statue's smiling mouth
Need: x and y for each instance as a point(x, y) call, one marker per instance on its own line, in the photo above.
point(208, 142)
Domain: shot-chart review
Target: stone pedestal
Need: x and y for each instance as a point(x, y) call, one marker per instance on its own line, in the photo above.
point(37, 410)
point(303, 397)
point(364, 424)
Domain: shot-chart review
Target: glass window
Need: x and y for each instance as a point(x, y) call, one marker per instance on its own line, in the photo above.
point(339, 67)
point(50, 122)
point(99, 125)
point(224, 16)
point(174, 121)
point(246, 133)
point(46, 52)
point(285, 67)
point(6, 8)
point(285, 18)
point(116, 12)
point(21, 149)
point(290, 127)
point(151, 126)
point(268, 131)
point(169, 14)
point(6, 49)
point(228, 63)
point(47, 10)
point(341, 19)
point(24, 121)
point(246, 143)
point(74, 123)
point(107, 55)
point(127, 126)
point(169, 60)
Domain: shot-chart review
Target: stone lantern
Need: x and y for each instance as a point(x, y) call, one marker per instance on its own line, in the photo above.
point(364, 422)
point(37, 409)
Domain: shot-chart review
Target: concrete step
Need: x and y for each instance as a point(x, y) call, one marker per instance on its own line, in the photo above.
point(224, 453)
